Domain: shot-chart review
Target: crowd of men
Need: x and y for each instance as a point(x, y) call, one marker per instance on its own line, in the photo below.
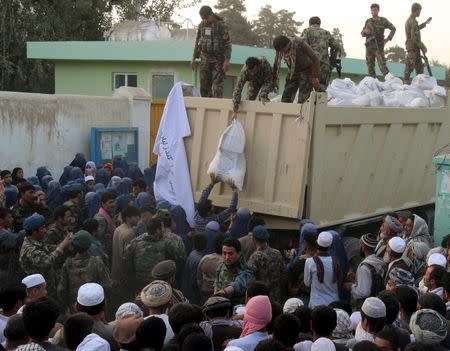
point(92, 262)
point(310, 58)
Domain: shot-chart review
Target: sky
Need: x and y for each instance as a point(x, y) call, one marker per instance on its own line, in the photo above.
point(349, 16)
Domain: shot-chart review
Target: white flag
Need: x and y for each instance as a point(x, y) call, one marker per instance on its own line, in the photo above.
point(172, 180)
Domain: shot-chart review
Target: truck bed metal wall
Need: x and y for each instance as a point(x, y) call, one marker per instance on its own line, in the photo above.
point(277, 150)
point(367, 161)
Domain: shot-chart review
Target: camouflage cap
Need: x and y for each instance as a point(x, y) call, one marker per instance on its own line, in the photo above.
point(215, 302)
point(164, 269)
point(156, 294)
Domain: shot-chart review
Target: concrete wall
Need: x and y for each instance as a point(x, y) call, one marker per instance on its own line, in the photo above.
point(48, 130)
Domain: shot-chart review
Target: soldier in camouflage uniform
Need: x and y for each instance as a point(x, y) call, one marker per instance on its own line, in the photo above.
point(258, 73)
point(373, 31)
point(143, 253)
point(232, 273)
point(320, 40)
point(267, 263)
point(76, 205)
point(173, 242)
point(303, 67)
point(166, 270)
point(62, 219)
point(414, 43)
point(213, 47)
point(27, 205)
point(80, 269)
point(106, 223)
point(36, 256)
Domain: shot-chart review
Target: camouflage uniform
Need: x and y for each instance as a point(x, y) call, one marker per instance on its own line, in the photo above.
point(213, 47)
point(141, 255)
point(20, 213)
point(54, 237)
point(237, 275)
point(36, 257)
point(320, 40)
point(299, 73)
point(268, 266)
point(77, 215)
point(372, 52)
point(176, 246)
point(104, 235)
point(413, 46)
point(261, 82)
point(78, 270)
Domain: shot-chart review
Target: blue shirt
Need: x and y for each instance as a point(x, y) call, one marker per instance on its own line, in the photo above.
point(249, 342)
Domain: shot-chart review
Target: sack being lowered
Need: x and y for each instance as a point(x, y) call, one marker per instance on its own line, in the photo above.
point(229, 162)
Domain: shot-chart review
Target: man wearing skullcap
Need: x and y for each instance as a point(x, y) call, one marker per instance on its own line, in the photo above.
point(267, 263)
point(80, 269)
point(396, 248)
point(36, 256)
point(390, 227)
point(91, 299)
point(36, 287)
point(322, 273)
point(369, 279)
point(157, 298)
point(27, 205)
point(75, 204)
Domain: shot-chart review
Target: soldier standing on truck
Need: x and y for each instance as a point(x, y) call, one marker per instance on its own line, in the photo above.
point(414, 43)
point(374, 32)
point(258, 73)
point(320, 40)
point(303, 68)
point(213, 47)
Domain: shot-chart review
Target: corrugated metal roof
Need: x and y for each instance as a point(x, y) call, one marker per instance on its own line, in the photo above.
point(170, 50)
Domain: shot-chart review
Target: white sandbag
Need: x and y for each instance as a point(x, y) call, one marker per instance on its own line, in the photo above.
point(361, 100)
point(340, 94)
point(440, 91)
point(343, 84)
point(390, 99)
point(392, 83)
point(419, 102)
point(229, 162)
point(434, 99)
point(339, 102)
point(424, 82)
point(375, 99)
point(367, 85)
point(233, 138)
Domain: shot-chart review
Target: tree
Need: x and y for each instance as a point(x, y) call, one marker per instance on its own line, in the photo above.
point(240, 29)
point(436, 63)
point(395, 54)
point(162, 10)
point(337, 35)
point(269, 24)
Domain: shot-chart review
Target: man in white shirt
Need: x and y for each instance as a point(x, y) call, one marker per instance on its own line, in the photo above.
point(322, 272)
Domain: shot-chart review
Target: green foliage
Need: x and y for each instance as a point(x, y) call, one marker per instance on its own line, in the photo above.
point(269, 24)
point(395, 54)
point(240, 29)
point(336, 33)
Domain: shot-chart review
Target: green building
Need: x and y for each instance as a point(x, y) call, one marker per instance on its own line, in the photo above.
point(98, 68)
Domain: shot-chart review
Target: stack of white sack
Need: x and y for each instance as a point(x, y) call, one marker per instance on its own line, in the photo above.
point(423, 92)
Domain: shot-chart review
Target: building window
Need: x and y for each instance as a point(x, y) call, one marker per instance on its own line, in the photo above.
point(162, 83)
point(124, 80)
point(228, 86)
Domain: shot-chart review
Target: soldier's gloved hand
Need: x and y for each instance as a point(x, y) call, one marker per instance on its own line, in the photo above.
point(315, 83)
point(193, 64)
point(226, 65)
point(428, 21)
point(66, 242)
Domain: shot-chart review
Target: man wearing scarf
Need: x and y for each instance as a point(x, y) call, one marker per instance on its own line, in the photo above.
point(390, 227)
point(258, 313)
